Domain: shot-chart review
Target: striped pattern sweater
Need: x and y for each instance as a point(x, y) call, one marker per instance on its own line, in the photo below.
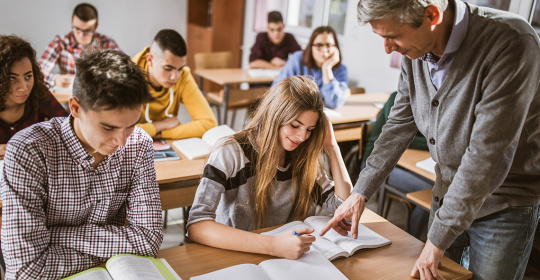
point(228, 180)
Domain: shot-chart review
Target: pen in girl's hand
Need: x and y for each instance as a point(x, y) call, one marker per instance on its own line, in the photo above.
point(296, 233)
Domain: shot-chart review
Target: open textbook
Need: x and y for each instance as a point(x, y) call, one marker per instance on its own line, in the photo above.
point(334, 245)
point(312, 265)
point(201, 147)
point(129, 267)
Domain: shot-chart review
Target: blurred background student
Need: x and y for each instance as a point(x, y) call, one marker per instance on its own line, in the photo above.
point(272, 48)
point(322, 60)
point(24, 97)
point(63, 51)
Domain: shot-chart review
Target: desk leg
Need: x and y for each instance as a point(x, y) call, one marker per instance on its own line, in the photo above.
point(200, 80)
point(225, 104)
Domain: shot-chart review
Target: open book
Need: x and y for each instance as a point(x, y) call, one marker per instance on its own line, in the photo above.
point(334, 245)
point(163, 151)
point(312, 265)
point(201, 147)
point(129, 267)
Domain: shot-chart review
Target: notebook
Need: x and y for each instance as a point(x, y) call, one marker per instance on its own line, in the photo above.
point(194, 148)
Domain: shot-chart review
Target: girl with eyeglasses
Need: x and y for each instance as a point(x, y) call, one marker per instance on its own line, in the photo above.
point(322, 60)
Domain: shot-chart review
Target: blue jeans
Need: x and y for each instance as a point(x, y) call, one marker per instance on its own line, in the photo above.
point(496, 246)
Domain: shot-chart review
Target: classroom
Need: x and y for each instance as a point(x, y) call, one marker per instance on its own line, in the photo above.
point(270, 139)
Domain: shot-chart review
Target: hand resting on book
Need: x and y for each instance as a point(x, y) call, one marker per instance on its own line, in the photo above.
point(291, 246)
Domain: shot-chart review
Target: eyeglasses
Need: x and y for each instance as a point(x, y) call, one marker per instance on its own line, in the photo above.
point(321, 46)
point(84, 32)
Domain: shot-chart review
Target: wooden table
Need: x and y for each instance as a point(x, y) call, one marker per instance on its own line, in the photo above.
point(408, 161)
point(350, 118)
point(62, 96)
point(394, 261)
point(226, 78)
point(178, 180)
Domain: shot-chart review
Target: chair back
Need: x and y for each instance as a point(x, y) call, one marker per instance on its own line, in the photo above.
point(213, 60)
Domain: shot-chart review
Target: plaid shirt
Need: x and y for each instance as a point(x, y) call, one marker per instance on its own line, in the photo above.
point(65, 50)
point(266, 50)
point(61, 216)
point(45, 112)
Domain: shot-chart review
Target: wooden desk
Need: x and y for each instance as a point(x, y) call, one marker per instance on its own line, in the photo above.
point(226, 78)
point(358, 109)
point(178, 180)
point(408, 161)
point(62, 96)
point(394, 261)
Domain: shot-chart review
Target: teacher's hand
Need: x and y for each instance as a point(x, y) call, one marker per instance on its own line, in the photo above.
point(352, 208)
point(426, 267)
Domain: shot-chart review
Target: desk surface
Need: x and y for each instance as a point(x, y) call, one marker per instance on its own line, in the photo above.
point(409, 159)
point(231, 76)
point(359, 108)
point(62, 96)
point(394, 261)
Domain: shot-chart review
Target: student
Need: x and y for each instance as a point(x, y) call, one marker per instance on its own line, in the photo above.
point(322, 60)
point(171, 84)
point(270, 174)
point(24, 98)
point(272, 48)
point(79, 190)
point(467, 85)
point(64, 51)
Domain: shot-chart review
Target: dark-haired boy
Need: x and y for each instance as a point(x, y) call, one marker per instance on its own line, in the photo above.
point(64, 51)
point(272, 48)
point(81, 189)
point(171, 84)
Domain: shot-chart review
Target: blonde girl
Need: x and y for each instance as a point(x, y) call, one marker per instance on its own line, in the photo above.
point(269, 174)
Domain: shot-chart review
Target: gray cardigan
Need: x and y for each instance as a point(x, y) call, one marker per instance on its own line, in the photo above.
point(482, 125)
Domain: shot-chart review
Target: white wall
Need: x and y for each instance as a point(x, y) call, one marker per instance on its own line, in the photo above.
point(131, 23)
point(362, 50)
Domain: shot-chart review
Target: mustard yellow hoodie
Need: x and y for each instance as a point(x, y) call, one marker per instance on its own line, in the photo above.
point(186, 92)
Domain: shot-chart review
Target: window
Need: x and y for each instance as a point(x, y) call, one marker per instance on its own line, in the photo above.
point(535, 18)
point(303, 16)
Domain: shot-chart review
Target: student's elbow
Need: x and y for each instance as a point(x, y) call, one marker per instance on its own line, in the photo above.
point(196, 231)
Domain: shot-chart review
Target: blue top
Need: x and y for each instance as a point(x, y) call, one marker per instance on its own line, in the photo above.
point(334, 92)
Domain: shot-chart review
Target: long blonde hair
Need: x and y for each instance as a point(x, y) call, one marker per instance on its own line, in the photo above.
point(281, 105)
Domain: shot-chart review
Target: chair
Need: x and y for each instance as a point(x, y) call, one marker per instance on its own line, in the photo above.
point(238, 98)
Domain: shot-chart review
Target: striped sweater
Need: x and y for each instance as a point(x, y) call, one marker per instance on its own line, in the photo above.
point(228, 180)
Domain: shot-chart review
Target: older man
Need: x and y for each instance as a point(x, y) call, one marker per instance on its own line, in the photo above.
point(469, 83)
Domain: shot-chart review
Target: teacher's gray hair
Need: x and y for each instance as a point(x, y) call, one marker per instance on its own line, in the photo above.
point(404, 11)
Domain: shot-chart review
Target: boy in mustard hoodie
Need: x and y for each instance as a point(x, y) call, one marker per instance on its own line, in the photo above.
point(171, 83)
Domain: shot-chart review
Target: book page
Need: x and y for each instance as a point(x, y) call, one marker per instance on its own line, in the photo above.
point(97, 273)
point(216, 133)
point(245, 271)
point(366, 237)
point(329, 249)
point(286, 227)
point(131, 267)
point(312, 265)
point(192, 147)
point(263, 73)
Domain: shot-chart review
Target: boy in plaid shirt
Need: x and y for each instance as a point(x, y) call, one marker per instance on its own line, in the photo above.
point(64, 51)
point(70, 184)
